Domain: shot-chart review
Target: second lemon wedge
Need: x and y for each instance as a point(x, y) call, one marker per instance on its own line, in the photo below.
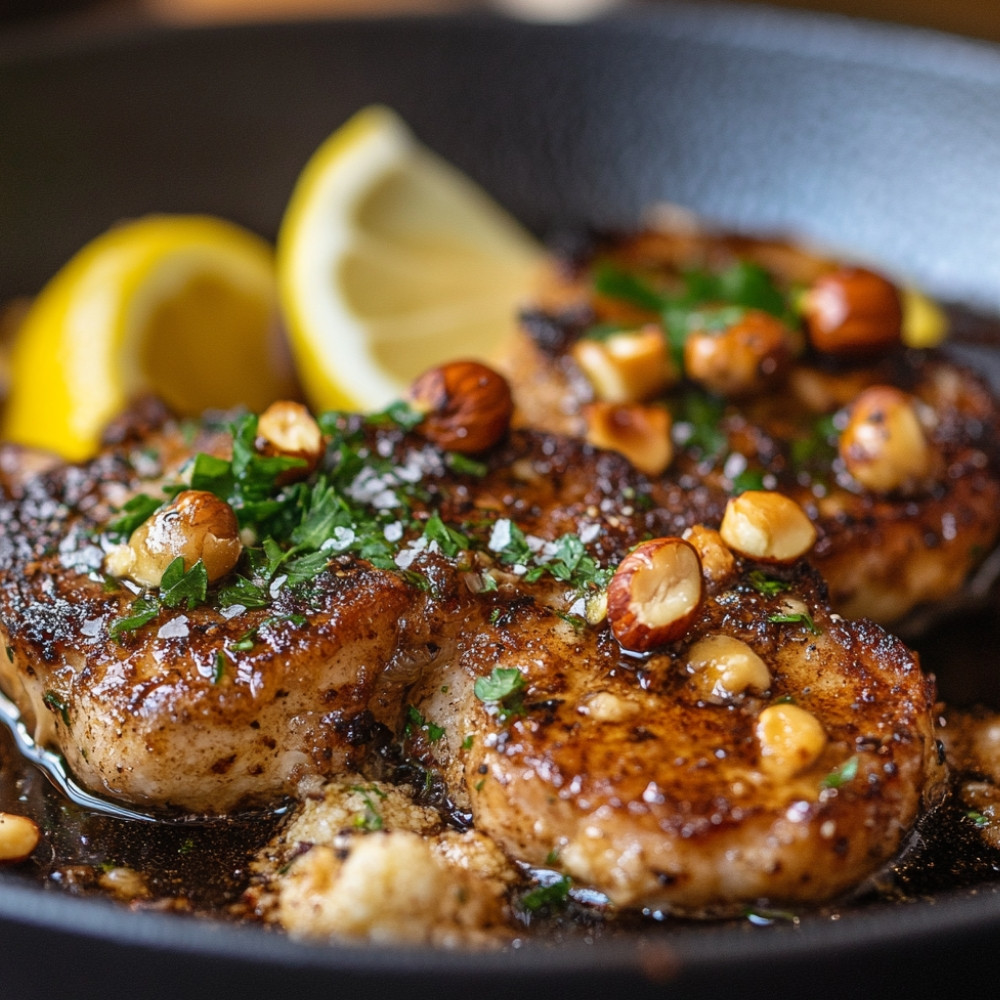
point(390, 260)
point(177, 305)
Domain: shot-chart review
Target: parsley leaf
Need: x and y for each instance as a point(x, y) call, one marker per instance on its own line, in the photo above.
point(180, 586)
point(503, 688)
point(416, 722)
point(554, 894)
point(847, 771)
point(133, 512)
point(450, 541)
point(798, 618)
point(767, 585)
point(143, 611)
point(371, 819)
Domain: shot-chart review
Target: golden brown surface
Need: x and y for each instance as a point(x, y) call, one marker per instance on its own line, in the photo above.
point(787, 766)
point(885, 552)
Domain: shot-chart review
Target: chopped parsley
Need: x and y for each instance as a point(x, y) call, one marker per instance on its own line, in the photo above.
point(802, 618)
point(54, 701)
point(847, 771)
point(362, 500)
point(701, 415)
point(179, 587)
point(748, 479)
point(415, 722)
point(504, 688)
point(219, 670)
point(553, 895)
point(132, 513)
point(564, 559)
point(706, 300)
point(370, 820)
point(977, 818)
point(767, 585)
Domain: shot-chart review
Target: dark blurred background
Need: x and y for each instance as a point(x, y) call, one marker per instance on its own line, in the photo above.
point(973, 18)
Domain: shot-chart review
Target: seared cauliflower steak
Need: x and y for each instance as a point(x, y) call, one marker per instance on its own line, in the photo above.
point(637, 681)
point(773, 752)
point(728, 362)
point(201, 708)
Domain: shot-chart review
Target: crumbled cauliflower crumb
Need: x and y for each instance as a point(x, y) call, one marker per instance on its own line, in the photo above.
point(365, 862)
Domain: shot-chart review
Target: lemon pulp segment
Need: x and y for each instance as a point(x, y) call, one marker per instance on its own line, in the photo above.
point(390, 260)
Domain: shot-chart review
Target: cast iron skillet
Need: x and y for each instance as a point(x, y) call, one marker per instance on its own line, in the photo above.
point(880, 140)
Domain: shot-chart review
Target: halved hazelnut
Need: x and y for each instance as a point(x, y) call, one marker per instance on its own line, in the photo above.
point(627, 367)
point(742, 357)
point(196, 525)
point(790, 739)
point(767, 526)
point(467, 406)
point(722, 667)
point(853, 311)
point(19, 836)
point(640, 433)
point(288, 429)
point(655, 594)
point(883, 446)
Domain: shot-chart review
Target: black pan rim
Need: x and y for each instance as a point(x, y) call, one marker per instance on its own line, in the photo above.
point(948, 918)
point(762, 28)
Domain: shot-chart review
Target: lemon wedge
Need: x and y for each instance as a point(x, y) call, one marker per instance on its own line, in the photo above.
point(184, 306)
point(390, 261)
point(924, 321)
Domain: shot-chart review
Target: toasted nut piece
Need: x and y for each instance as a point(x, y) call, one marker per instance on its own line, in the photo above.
point(741, 358)
point(124, 883)
point(467, 406)
point(19, 836)
point(640, 433)
point(790, 739)
point(717, 562)
point(883, 446)
point(723, 667)
point(767, 526)
point(288, 429)
point(197, 525)
point(853, 311)
point(627, 367)
point(602, 706)
point(655, 594)
point(595, 608)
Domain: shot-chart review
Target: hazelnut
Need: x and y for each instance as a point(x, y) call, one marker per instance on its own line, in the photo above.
point(196, 525)
point(467, 407)
point(790, 739)
point(640, 433)
point(288, 430)
point(655, 594)
point(627, 367)
point(602, 706)
point(19, 836)
point(767, 526)
point(717, 562)
point(723, 667)
point(852, 311)
point(742, 357)
point(883, 445)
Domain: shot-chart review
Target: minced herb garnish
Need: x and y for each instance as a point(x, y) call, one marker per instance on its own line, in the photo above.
point(358, 502)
